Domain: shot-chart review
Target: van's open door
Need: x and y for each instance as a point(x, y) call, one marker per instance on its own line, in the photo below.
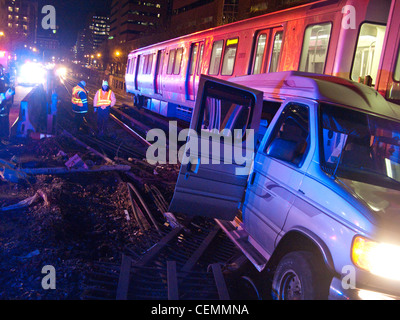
point(225, 121)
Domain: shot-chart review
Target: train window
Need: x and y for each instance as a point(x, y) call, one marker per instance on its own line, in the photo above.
point(141, 64)
point(368, 52)
point(315, 48)
point(132, 66)
point(200, 59)
point(229, 57)
point(276, 51)
point(193, 59)
point(216, 55)
point(171, 61)
point(128, 65)
point(148, 64)
point(396, 75)
point(261, 42)
point(178, 60)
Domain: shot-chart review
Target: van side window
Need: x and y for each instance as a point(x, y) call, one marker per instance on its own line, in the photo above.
point(216, 55)
point(270, 108)
point(229, 57)
point(315, 48)
point(290, 138)
point(224, 111)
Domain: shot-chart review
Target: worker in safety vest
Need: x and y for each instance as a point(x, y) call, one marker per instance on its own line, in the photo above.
point(102, 102)
point(6, 95)
point(5, 98)
point(79, 103)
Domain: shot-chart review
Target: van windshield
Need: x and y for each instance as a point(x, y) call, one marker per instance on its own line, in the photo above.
point(359, 146)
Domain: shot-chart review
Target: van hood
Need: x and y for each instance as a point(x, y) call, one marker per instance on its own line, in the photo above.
point(383, 203)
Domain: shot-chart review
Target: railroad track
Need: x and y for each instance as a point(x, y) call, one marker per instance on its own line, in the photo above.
point(184, 259)
point(181, 263)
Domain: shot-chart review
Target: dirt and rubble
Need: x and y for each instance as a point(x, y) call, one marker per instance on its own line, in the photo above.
point(78, 220)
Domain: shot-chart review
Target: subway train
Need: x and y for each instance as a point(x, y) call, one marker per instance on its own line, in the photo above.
point(352, 39)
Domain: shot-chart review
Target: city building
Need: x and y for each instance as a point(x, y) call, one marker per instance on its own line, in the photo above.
point(194, 15)
point(83, 44)
point(21, 21)
point(99, 27)
point(48, 43)
point(132, 19)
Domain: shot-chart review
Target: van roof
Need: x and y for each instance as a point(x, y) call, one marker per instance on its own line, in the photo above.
point(322, 88)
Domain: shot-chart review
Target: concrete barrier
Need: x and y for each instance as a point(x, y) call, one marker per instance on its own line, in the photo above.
point(32, 114)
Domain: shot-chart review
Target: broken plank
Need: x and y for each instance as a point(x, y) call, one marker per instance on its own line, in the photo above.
point(124, 277)
point(200, 250)
point(145, 207)
point(172, 281)
point(62, 170)
point(220, 282)
point(149, 255)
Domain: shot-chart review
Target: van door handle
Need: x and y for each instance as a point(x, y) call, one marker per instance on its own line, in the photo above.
point(190, 166)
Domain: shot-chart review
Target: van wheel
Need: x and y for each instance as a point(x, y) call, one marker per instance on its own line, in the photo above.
point(299, 276)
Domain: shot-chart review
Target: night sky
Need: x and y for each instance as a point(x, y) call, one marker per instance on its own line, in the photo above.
point(72, 15)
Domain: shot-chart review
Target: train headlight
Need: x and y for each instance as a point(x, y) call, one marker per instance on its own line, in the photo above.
point(62, 72)
point(32, 73)
point(381, 259)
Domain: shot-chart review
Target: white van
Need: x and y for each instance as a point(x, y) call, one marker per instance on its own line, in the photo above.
point(320, 205)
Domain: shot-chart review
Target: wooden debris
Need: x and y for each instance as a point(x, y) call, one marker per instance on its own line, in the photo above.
point(61, 170)
point(145, 207)
point(27, 202)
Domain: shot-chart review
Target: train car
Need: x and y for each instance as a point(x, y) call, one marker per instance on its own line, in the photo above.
point(340, 37)
point(388, 82)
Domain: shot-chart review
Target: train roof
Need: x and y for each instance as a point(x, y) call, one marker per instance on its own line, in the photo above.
point(300, 10)
point(320, 87)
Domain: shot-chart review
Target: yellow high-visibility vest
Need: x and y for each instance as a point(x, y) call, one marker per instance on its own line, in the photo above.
point(76, 100)
point(104, 100)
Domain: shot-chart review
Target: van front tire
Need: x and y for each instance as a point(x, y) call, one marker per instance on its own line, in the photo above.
point(299, 276)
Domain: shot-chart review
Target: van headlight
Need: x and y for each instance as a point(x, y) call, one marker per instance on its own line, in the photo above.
point(381, 259)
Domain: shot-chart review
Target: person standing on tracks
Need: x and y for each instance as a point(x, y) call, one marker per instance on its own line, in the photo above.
point(79, 104)
point(102, 102)
point(5, 104)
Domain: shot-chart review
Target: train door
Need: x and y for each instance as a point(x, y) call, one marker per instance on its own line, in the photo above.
point(267, 51)
point(136, 72)
point(211, 181)
point(192, 80)
point(388, 76)
point(159, 72)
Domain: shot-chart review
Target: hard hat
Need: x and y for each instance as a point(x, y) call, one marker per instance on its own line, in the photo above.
point(105, 83)
point(83, 83)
